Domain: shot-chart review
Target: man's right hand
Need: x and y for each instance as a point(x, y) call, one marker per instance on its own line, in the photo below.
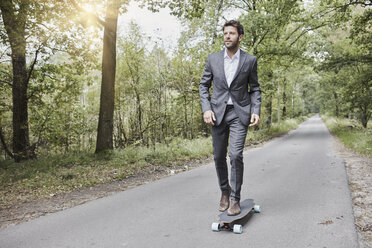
point(209, 117)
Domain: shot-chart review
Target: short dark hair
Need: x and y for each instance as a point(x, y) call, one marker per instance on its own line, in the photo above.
point(235, 24)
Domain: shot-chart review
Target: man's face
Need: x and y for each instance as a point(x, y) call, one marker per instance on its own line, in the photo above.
point(231, 37)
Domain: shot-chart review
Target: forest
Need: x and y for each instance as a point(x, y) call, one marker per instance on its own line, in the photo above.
point(69, 83)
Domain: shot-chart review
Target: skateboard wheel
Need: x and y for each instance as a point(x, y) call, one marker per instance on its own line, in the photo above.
point(257, 208)
point(238, 229)
point(216, 227)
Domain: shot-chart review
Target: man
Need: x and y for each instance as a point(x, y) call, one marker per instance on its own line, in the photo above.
point(230, 109)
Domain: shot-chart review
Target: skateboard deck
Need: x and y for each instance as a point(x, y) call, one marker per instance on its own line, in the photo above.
point(226, 222)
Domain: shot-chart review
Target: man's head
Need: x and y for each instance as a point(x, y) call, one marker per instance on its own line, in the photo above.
point(232, 34)
point(239, 27)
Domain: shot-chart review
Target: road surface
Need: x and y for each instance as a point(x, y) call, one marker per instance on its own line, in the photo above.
point(299, 180)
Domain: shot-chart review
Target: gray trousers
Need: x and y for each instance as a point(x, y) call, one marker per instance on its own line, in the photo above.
point(230, 128)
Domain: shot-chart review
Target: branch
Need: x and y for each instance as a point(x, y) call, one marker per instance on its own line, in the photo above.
point(150, 124)
point(6, 61)
point(4, 52)
point(94, 16)
point(50, 76)
point(261, 39)
point(32, 65)
point(331, 9)
point(216, 13)
point(293, 32)
point(6, 82)
point(248, 4)
point(35, 91)
point(57, 49)
point(363, 3)
point(8, 15)
point(238, 6)
point(347, 61)
point(6, 73)
point(2, 139)
point(307, 30)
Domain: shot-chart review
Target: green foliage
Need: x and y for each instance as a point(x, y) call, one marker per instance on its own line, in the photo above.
point(351, 133)
point(347, 68)
point(188, 8)
point(59, 54)
point(49, 175)
point(275, 129)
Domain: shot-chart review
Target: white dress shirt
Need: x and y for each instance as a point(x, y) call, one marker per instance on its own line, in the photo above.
point(231, 65)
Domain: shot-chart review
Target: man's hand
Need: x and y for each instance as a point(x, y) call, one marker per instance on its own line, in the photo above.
point(255, 119)
point(209, 117)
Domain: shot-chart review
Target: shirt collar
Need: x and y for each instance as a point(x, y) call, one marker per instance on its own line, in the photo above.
point(235, 56)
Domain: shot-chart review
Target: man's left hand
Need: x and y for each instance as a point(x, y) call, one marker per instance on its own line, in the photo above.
point(255, 119)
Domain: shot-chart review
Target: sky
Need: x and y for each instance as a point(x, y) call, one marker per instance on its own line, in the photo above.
point(160, 25)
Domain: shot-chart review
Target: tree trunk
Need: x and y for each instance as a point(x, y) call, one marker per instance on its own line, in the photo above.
point(106, 111)
point(292, 100)
point(192, 115)
point(269, 110)
point(284, 112)
point(217, 15)
point(139, 114)
point(21, 142)
point(15, 22)
point(67, 138)
point(185, 124)
point(165, 116)
point(278, 99)
point(5, 147)
point(365, 115)
point(336, 100)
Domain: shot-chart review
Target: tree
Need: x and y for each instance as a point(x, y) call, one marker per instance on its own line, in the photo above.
point(130, 80)
point(188, 9)
point(106, 110)
point(35, 31)
point(15, 17)
point(275, 34)
point(348, 61)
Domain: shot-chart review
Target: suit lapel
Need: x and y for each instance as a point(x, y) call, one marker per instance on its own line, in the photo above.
point(222, 66)
point(241, 63)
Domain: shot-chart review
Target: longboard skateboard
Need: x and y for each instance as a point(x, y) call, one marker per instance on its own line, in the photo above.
point(226, 222)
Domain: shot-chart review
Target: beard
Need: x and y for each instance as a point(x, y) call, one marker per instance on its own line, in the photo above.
point(232, 45)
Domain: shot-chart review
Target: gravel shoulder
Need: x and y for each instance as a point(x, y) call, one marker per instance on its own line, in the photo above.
point(359, 170)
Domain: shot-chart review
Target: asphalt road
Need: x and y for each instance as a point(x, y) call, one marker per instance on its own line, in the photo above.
point(299, 180)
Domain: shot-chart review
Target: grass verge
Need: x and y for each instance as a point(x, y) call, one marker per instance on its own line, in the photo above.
point(351, 133)
point(48, 176)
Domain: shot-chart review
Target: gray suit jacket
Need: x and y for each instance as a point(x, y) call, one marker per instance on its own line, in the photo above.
point(245, 102)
